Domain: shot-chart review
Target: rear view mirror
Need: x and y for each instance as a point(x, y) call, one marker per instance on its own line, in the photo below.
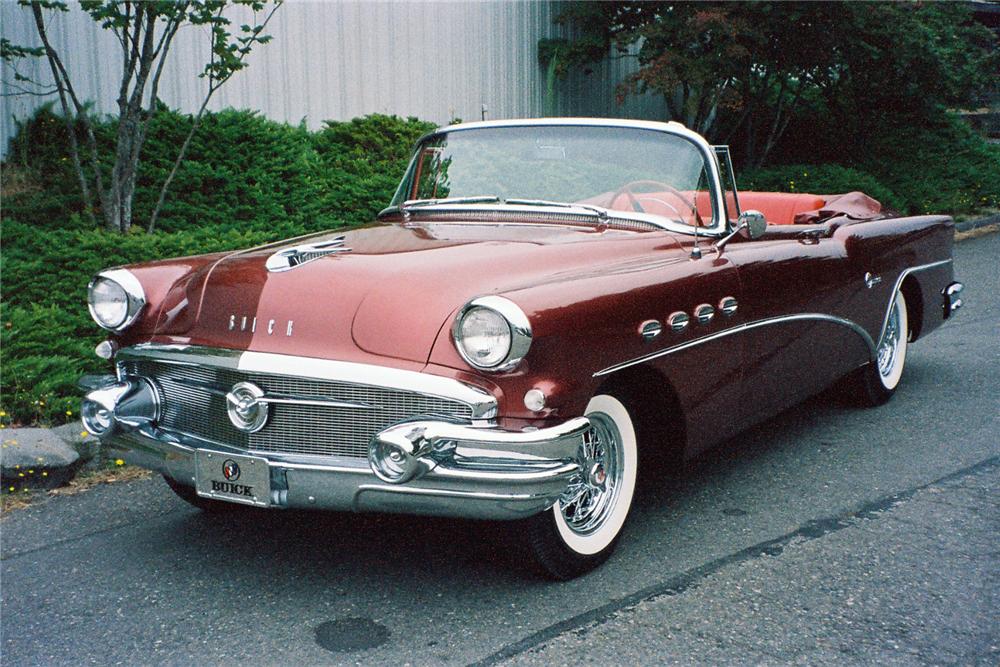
point(752, 224)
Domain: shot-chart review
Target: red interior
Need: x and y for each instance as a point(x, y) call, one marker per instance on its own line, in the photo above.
point(780, 208)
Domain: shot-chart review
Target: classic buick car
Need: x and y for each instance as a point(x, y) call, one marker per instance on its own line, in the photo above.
point(546, 309)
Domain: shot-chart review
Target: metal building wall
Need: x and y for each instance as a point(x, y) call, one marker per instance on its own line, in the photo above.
point(338, 60)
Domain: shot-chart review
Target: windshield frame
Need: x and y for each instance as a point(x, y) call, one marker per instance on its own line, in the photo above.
point(718, 227)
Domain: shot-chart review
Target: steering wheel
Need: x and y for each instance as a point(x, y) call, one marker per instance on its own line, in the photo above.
point(637, 207)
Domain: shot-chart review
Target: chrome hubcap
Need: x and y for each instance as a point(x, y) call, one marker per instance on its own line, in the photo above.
point(888, 348)
point(590, 497)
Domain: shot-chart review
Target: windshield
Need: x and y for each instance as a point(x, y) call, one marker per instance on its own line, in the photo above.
point(622, 169)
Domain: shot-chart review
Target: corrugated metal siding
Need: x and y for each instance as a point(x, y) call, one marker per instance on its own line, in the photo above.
point(338, 60)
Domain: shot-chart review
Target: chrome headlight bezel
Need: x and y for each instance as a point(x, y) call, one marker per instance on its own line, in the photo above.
point(135, 297)
point(517, 321)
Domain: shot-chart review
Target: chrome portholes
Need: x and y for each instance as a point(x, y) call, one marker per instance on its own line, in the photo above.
point(704, 313)
point(678, 321)
point(728, 306)
point(741, 328)
point(650, 329)
point(589, 500)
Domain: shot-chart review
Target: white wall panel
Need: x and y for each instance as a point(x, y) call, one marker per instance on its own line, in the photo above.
point(338, 60)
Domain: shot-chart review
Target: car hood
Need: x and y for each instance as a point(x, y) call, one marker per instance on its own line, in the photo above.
point(386, 290)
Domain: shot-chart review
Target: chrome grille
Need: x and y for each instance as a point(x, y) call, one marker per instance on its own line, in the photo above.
point(191, 407)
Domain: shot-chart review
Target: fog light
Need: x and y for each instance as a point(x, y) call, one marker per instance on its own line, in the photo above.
point(388, 462)
point(97, 418)
point(534, 400)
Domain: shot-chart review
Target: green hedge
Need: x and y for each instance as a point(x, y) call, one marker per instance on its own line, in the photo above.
point(246, 180)
point(821, 179)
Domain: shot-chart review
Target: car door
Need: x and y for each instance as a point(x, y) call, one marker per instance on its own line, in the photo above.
point(796, 289)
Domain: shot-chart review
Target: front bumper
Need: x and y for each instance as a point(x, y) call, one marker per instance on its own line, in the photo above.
point(420, 467)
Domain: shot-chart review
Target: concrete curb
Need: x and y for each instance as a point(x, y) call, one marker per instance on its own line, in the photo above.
point(969, 225)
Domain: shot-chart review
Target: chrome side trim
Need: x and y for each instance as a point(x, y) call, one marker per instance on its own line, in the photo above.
point(483, 404)
point(802, 317)
point(899, 282)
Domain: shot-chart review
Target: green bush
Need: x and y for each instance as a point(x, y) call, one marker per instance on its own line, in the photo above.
point(938, 168)
point(820, 179)
point(246, 181)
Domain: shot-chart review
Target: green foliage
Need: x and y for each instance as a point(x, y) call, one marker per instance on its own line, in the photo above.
point(944, 167)
point(247, 180)
point(821, 179)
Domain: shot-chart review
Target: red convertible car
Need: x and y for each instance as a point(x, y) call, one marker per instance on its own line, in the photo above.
point(546, 309)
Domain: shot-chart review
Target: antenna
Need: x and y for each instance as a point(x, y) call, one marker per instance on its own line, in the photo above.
point(696, 251)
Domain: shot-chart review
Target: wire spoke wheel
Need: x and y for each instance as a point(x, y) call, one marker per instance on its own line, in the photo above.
point(582, 528)
point(587, 504)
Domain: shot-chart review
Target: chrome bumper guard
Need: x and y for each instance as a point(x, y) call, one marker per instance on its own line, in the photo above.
point(952, 298)
point(420, 467)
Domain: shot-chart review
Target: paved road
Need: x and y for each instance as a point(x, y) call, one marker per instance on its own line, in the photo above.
point(828, 535)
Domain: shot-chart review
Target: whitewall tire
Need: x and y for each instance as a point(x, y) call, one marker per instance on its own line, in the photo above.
point(581, 530)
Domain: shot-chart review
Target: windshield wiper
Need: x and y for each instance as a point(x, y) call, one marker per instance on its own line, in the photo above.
point(602, 213)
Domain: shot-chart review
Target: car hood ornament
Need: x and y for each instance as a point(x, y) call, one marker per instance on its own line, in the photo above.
point(289, 258)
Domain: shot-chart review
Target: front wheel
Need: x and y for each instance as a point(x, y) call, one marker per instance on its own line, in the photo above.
point(581, 530)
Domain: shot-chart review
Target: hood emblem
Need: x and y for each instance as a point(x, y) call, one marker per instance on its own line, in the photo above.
point(247, 322)
point(289, 258)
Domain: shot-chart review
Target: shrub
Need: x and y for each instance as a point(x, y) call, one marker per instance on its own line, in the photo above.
point(939, 168)
point(822, 179)
point(246, 181)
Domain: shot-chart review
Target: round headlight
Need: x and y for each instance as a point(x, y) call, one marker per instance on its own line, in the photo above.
point(492, 333)
point(108, 303)
point(115, 299)
point(484, 336)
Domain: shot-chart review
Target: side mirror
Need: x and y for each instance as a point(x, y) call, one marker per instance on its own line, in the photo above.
point(752, 224)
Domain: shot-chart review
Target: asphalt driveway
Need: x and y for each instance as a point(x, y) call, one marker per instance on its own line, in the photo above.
point(828, 535)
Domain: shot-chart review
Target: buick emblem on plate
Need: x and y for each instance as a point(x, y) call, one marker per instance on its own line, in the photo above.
point(231, 470)
point(246, 411)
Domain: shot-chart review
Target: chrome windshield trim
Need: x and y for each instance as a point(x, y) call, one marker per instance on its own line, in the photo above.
point(613, 217)
point(801, 317)
point(719, 225)
point(483, 404)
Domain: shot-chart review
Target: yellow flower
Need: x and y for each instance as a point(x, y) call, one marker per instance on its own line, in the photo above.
point(31, 472)
point(11, 488)
point(119, 462)
point(45, 473)
point(83, 434)
point(3, 413)
point(69, 413)
point(20, 474)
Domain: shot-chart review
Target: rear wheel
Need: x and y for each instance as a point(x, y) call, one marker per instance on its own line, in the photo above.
point(876, 381)
point(582, 529)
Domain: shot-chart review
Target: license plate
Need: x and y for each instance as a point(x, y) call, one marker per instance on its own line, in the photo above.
point(232, 477)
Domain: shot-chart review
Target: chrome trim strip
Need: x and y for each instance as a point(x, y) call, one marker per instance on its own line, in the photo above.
point(899, 282)
point(802, 317)
point(484, 404)
point(289, 399)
